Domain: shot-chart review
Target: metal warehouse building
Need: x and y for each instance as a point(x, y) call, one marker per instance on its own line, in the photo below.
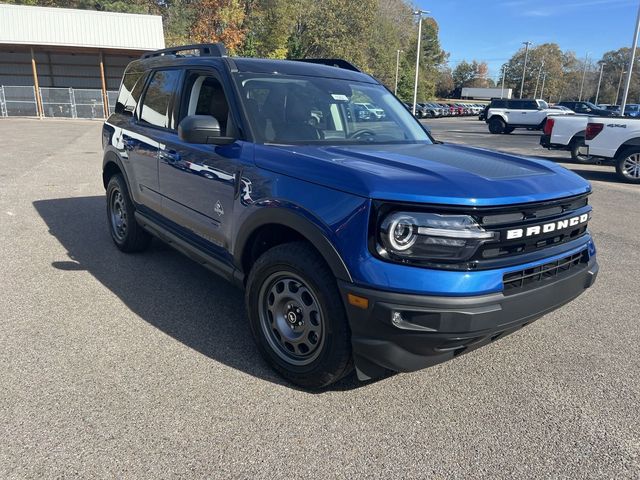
point(57, 62)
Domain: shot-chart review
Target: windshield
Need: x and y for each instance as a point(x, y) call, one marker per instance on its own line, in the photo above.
point(287, 109)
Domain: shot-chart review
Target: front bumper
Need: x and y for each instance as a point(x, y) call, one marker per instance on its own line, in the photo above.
point(434, 329)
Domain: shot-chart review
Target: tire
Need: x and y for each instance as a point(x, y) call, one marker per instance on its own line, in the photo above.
point(628, 165)
point(508, 130)
point(125, 231)
point(577, 154)
point(496, 125)
point(297, 317)
point(541, 126)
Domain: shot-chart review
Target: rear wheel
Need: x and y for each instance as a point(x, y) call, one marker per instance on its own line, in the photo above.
point(509, 129)
point(496, 125)
point(297, 317)
point(580, 152)
point(125, 231)
point(628, 165)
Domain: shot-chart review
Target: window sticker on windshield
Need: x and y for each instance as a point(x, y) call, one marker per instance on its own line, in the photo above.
point(340, 97)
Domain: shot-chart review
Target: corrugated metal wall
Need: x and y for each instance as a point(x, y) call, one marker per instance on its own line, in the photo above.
point(76, 70)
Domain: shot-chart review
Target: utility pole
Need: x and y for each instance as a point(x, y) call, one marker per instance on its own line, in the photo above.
point(631, 62)
point(599, 81)
point(504, 72)
point(538, 79)
point(584, 74)
point(524, 68)
point(395, 91)
point(419, 13)
point(622, 72)
point(544, 79)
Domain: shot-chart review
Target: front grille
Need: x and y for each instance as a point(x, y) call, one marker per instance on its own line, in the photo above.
point(524, 216)
point(528, 278)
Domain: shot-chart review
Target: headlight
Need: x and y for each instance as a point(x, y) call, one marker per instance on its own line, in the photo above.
point(416, 236)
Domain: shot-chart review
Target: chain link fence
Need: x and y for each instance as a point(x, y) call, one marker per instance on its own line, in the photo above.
point(56, 102)
point(18, 102)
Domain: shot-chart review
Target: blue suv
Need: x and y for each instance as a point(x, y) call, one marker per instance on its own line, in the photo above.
point(359, 244)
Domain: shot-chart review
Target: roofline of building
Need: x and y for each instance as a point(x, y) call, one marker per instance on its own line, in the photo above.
point(72, 48)
point(90, 12)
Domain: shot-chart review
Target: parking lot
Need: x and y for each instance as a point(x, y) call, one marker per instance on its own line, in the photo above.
point(142, 366)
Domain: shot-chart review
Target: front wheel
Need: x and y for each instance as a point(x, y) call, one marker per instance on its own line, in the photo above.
point(628, 165)
point(508, 130)
point(297, 317)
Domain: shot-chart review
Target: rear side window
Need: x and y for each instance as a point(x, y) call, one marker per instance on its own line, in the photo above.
point(498, 104)
point(157, 99)
point(130, 91)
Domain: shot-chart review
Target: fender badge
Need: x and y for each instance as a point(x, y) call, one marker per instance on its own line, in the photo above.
point(218, 209)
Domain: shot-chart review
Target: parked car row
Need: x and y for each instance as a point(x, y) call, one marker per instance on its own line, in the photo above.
point(437, 109)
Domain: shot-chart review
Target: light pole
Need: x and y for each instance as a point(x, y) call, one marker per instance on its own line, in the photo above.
point(419, 13)
point(395, 91)
point(584, 74)
point(504, 72)
point(631, 62)
point(599, 81)
point(524, 68)
point(622, 72)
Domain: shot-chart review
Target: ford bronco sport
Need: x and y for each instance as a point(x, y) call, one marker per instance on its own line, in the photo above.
point(363, 245)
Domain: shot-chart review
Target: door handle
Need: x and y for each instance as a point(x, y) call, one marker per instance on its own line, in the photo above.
point(169, 156)
point(128, 143)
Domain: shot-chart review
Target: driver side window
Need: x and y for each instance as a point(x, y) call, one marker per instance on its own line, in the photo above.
point(204, 95)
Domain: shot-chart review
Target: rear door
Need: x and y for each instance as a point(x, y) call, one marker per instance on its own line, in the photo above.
point(529, 113)
point(141, 141)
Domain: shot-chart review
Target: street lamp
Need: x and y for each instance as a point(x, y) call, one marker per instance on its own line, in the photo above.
point(584, 74)
point(419, 13)
point(602, 64)
point(524, 68)
point(395, 91)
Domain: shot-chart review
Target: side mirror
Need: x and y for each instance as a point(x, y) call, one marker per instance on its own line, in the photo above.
point(202, 129)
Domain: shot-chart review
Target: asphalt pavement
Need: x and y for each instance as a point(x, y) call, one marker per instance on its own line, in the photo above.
point(142, 366)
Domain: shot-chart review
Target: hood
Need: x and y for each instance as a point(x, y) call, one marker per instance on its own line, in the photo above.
point(424, 173)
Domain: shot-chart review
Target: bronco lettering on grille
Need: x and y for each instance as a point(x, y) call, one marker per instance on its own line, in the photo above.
point(547, 227)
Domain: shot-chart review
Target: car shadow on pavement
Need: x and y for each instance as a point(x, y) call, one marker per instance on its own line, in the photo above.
point(163, 287)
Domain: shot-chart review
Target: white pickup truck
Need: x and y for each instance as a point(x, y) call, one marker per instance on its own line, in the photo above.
point(567, 133)
point(618, 139)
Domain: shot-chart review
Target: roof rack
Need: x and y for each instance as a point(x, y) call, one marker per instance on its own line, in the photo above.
point(204, 49)
point(331, 62)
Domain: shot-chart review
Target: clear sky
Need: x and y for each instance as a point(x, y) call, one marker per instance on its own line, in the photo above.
point(492, 30)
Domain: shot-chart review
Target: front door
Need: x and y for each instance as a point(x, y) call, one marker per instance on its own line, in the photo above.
point(199, 182)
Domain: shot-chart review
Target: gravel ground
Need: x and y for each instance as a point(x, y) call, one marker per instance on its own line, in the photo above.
point(142, 366)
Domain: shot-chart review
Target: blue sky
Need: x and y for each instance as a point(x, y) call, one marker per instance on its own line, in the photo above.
point(492, 30)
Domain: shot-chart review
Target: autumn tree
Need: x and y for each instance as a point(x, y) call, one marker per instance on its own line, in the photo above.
point(220, 21)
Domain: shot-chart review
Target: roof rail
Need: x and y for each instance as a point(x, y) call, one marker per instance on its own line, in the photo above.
point(204, 49)
point(331, 62)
